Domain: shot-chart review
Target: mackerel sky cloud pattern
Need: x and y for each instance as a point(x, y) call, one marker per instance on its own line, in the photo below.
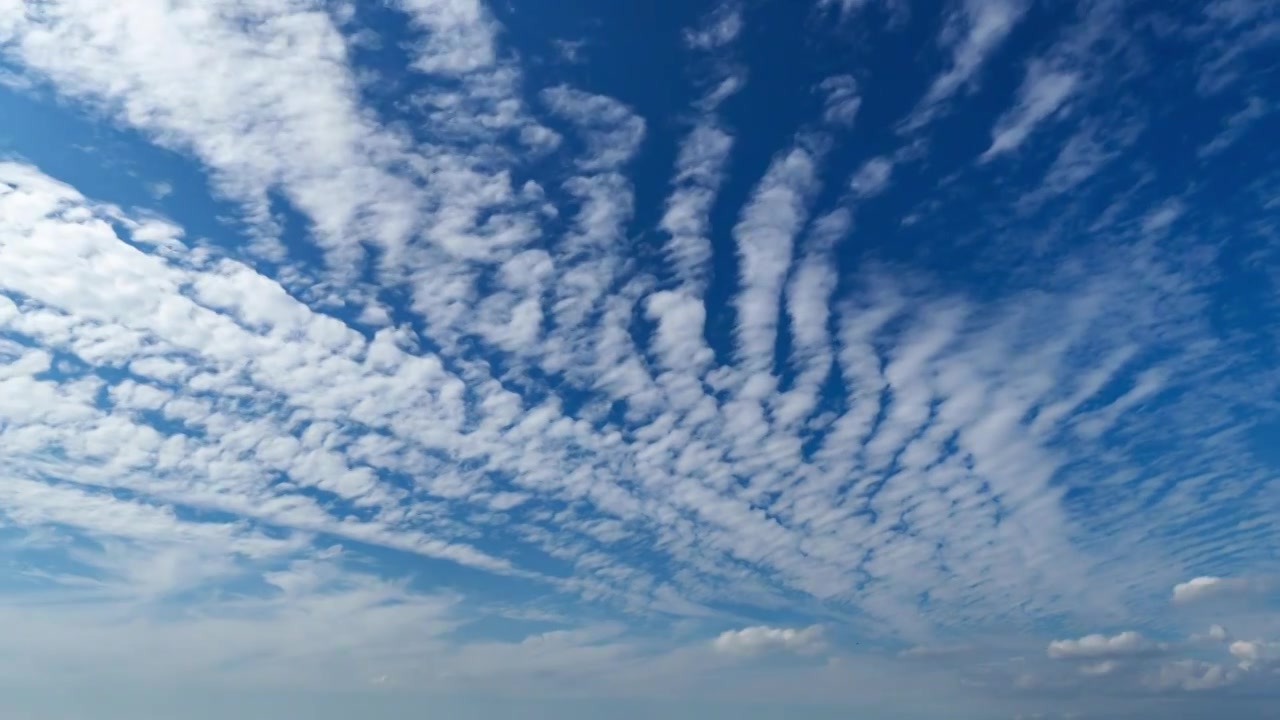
point(713, 359)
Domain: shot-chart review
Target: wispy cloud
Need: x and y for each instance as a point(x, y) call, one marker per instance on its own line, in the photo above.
point(841, 100)
point(1236, 126)
point(972, 31)
point(1043, 93)
point(721, 27)
point(873, 177)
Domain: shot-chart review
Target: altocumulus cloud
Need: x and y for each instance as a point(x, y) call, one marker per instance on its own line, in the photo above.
point(363, 357)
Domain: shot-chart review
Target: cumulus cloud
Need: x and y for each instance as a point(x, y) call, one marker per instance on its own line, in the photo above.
point(1254, 654)
point(761, 639)
point(1097, 646)
point(1208, 587)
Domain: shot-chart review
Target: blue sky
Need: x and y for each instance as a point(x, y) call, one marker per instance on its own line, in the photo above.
point(564, 359)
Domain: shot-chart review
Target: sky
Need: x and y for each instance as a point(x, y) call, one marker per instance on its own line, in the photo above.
point(566, 359)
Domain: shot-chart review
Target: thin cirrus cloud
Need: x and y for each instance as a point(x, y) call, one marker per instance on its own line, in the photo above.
point(1043, 92)
point(972, 31)
point(441, 373)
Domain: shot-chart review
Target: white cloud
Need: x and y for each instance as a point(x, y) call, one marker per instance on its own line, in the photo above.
point(1233, 31)
point(570, 51)
point(841, 100)
point(459, 35)
point(1254, 654)
point(200, 78)
point(139, 310)
point(720, 28)
point(1235, 126)
point(524, 394)
point(765, 234)
point(613, 133)
point(974, 31)
point(226, 347)
point(1044, 91)
point(845, 6)
point(1162, 217)
point(1086, 153)
point(161, 190)
point(1207, 587)
point(872, 178)
point(15, 81)
point(700, 169)
point(219, 79)
point(1097, 646)
point(728, 86)
point(761, 639)
point(681, 323)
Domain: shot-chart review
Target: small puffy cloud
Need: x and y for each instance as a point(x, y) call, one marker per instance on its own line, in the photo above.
point(570, 51)
point(1100, 646)
point(1253, 654)
point(1246, 651)
point(762, 639)
point(719, 29)
point(872, 178)
point(842, 100)
point(1203, 588)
